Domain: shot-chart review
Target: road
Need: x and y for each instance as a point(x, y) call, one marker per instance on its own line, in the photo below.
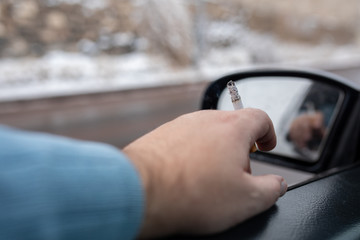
point(113, 117)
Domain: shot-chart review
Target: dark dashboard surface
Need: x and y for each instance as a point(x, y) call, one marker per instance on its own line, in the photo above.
point(328, 208)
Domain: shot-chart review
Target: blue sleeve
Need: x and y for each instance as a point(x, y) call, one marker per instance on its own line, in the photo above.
point(58, 188)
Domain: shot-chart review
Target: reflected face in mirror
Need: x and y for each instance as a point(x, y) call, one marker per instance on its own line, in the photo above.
point(302, 111)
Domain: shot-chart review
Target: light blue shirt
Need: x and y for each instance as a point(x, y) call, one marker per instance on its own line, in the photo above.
point(58, 188)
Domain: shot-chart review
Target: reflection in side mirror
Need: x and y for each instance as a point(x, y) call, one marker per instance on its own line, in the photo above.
point(302, 111)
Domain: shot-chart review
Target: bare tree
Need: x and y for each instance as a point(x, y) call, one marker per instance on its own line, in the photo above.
point(167, 24)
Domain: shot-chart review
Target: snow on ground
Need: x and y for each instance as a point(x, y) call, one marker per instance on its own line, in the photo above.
point(60, 73)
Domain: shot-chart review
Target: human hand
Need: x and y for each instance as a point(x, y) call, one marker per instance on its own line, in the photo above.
point(196, 172)
point(307, 127)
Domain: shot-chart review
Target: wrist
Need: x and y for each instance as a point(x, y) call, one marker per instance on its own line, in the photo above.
point(154, 224)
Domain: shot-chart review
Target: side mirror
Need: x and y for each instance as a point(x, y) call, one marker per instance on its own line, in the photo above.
point(315, 115)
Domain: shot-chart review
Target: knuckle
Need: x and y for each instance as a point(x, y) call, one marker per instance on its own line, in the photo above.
point(256, 113)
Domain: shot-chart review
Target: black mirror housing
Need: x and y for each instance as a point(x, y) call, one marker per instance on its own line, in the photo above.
point(342, 140)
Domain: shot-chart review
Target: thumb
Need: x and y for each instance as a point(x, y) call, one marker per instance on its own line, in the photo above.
point(269, 189)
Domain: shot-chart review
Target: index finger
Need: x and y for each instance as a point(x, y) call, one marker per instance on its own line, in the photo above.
point(261, 129)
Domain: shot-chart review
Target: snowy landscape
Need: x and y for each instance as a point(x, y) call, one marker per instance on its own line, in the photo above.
point(198, 47)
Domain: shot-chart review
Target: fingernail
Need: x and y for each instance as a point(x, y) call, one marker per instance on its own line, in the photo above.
point(283, 187)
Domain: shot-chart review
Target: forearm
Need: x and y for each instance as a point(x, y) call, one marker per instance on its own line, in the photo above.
point(56, 188)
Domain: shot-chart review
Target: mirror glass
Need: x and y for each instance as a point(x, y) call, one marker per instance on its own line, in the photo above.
point(302, 111)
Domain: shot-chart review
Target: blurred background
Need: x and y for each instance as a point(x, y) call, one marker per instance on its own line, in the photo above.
point(112, 70)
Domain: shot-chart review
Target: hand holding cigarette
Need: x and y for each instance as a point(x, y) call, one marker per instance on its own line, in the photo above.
point(196, 183)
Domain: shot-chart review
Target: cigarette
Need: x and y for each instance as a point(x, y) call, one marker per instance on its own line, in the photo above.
point(235, 96)
point(237, 103)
